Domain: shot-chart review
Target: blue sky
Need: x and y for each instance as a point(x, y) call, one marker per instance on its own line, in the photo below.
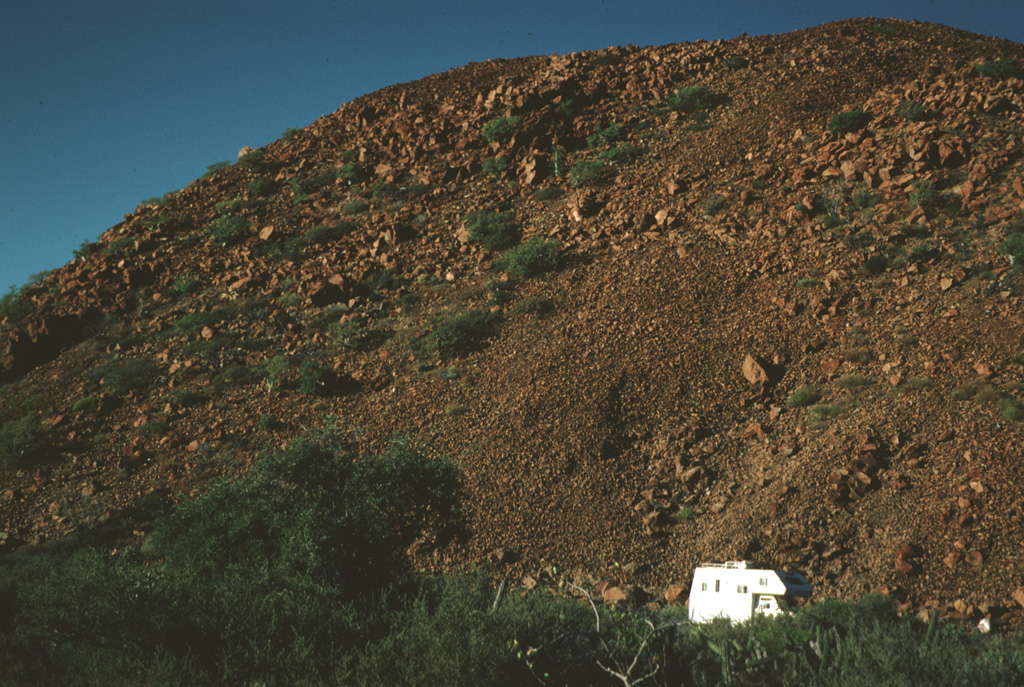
point(109, 102)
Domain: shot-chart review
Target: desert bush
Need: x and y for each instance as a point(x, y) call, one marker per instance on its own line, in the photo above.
point(494, 231)
point(848, 122)
point(854, 382)
point(500, 129)
point(227, 231)
point(355, 207)
point(351, 172)
point(923, 194)
point(184, 285)
point(317, 380)
point(23, 439)
point(586, 172)
point(550, 193)
point(874, 265)
point(1013, 246)
point(532, 258)
point(804, 396)
point(355, 337)
point(193, 322)
point(611, 133)
point(857, 355)
point(322, 235)
point(123, 376)
point(290, 135)
point(253, 160)
point(261, 187)
point(88, 404)
point(912, 111)
point(459, 334)
point(621, 154)
point(216, 167)
point(14, 306)
point(736, 62)
point(694, 98)
point(999, 69)
point(495, 167)
point(535, 305)
point(119, 244)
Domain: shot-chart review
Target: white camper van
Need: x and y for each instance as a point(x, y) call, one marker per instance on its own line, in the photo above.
point(736, 590)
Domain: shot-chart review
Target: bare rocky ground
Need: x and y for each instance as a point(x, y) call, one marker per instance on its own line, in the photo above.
point(634, 413)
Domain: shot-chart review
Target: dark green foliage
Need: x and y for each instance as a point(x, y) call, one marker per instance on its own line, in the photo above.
point(501, 129)
point(290, 135)
point(621, 154)
point(848, 122)
point(355, 337)
point(23, 440)
point(532, 258)
point(1013, 246)
point(912, 111)
point(122, 376)
point(694, 99)
point(586, 172)
point(227, 230)
point(194, 322)
point(923, 194)
point(14, 306)
point(736, 62)
point(875, 264)
point(854, 382)
point(999, 69)
point(355, 207)
point(351, 172)
point(85, 248)
point(864, 197)
point(253, 160)
point(184, 285)
point(118, 245)
point(602, 137)
point(550, 193)
point(461, 334)
point(804, 396)
point(89, 404)
point(494, 231)
point(323, 235)
point(495, 166)
point(261, 187)
point(535, 305)
point(216, 167)
point(317, 380)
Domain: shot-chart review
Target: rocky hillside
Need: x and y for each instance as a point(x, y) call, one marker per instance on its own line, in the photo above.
point(751, 298)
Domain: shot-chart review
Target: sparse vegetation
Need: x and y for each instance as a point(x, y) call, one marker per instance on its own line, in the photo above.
point(736, 62)
point(804, 396)
point(849, 122)
point(532, 258)
point(501, 129)
point(535, 305)
point(89, 404)
point(460, 334)
point(912, 111)
point(854, 382)
point(694, 98)
point(923, 194)
point(227, 230)
point(23, 439)
point(1013, 246)
point(999, 69)
point(494, 231)
point(550, 193)
point(355, 206)
point(124, 376)
point(495, 167)
point(602, 137)
point(585, 172)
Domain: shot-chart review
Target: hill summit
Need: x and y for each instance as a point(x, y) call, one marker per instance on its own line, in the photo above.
point(756, 298)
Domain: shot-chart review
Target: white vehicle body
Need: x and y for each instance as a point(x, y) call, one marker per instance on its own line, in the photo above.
point(736, 590)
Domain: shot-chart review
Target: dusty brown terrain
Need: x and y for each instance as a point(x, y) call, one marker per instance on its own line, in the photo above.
point(647, 422)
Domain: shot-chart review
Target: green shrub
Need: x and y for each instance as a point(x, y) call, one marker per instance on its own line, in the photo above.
point(322, 235)
point(14, 306)
point(123, 376)
point(857, 355)
point(532, 258)
point(355, 207)
point(290, 135)
point(923, 194)
point(912, 111)
point(261, 187)
point(495, 166)
point(911, 384)
point(804, 396)
point(227, 231)
point(461, 334)
point(611, 133)
point(85, 248)
point(736, 62)
point(854, 382)
point(999, 69)
point(1011, 408)
point(351, 172)
point(317, 380)
point(216, 167)
point(550, 193)
point(621, 154)
point(535, 305)
point(194, 322)
point(23, 440)
point(253, 160)
point(501, 129)
point(586, 172)
point(806, 282)
point(1013, 246)
point(875, 264)
point(355, 337)
point(694, 98)
point(849, 122)
point(89, 404)
point(119, 244)
point(492, 230)
point(184, 285)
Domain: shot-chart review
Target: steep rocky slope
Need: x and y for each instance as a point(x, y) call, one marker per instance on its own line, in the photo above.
point(771, 333)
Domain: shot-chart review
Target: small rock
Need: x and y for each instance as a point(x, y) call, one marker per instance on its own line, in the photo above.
point(1018, 595)
point(675, 593)
point(617, 594)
